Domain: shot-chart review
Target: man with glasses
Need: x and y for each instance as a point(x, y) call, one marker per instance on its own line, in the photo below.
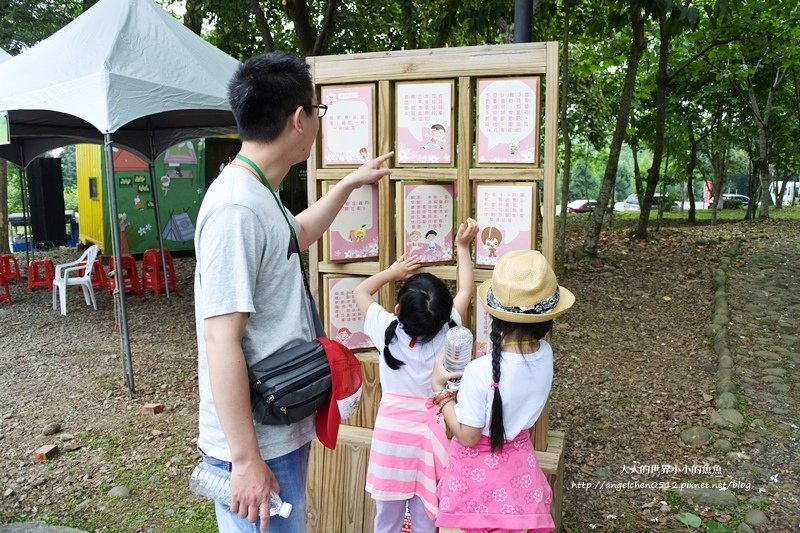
point(250, 300)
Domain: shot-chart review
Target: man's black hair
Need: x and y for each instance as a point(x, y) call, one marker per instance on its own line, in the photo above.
point(265, 90)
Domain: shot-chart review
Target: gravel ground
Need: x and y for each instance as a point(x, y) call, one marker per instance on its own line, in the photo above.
point(634, 367)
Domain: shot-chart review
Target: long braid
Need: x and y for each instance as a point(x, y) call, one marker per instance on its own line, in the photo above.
point(393, 362)
point(497, 430)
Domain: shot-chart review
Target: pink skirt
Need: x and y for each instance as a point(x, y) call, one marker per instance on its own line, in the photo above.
point(497, 491)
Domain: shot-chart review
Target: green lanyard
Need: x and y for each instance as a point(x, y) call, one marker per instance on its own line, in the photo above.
point(263, 179)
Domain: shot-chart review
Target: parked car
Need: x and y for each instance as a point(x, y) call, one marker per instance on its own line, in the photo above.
point(734, 200)
point(581, 206)
point(631, 203)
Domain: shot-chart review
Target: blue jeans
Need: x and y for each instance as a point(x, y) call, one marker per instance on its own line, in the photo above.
point(290, 470)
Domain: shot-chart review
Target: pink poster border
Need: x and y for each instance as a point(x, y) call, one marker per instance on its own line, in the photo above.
point(450, 139)
point(371, 148)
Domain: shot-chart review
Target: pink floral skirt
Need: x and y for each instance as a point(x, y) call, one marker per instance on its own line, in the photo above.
point(506, 490)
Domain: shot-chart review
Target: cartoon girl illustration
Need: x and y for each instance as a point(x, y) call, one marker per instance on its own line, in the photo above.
point(343, 334)
point(363, 154)
point(431, 238)
point(414, 243)
point(435, 138)
point(358, 234)
point(491, 238)
point(514, 146)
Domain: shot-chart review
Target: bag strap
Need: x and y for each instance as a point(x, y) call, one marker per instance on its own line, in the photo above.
point(319, 331)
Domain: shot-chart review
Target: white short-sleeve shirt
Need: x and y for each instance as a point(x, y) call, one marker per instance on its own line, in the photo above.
point(525, 382)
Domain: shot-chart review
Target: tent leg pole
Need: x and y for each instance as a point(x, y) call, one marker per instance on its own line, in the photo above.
point(158, 216)
point(115, 242)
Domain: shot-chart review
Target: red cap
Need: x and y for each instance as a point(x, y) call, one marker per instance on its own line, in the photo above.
point(345, 391)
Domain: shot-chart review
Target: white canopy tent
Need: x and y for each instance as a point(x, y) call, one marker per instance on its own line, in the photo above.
point(124, 72)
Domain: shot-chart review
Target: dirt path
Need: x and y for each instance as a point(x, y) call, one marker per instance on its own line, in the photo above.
point(634, 368)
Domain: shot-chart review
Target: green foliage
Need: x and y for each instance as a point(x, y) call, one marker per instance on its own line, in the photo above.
point(715, 527)
point(26, 23)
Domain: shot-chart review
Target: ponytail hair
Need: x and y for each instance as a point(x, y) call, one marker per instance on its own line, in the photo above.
point(497, 430)
point(513, 330)
point(393, 362)
point(425, 307)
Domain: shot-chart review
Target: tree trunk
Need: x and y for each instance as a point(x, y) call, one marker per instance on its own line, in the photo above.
point(719, 160)
point(662, 81)
point(633, 142)
point(306, 34)
point(562, 232)
point(263, 26)
point(4, 248)
point(690, 166)
point(193, 18)
point(610, 176)
point(781, 191)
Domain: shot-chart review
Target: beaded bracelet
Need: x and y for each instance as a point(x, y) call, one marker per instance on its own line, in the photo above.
point(441, 405)
point(443, 397)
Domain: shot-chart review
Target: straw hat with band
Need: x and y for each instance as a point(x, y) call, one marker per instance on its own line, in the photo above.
point(524, 289)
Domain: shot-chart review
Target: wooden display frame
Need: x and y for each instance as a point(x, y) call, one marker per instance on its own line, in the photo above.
point(345, 468)
point(352, 336)
point(421, 249)
point(437, 130)
point(360, 154)
point(367, 248)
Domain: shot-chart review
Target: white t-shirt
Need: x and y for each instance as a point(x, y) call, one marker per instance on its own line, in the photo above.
point(242, 244)
point(525, 382)
point(414, 377)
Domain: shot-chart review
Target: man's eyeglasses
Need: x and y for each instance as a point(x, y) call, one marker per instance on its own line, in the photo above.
point(321, 109)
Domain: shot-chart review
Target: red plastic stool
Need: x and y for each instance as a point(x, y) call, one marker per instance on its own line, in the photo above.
point(9, 267)
point(130, 278)
point(40, 274)
point(5, 292)
point(153, 276)
point(99, 278)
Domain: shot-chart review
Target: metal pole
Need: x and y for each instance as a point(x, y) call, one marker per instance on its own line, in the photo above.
point(152, 167)
point(523, 20)
point(119, 293)
point(23, 182)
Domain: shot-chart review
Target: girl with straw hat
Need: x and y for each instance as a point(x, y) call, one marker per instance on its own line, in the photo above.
point(493, 481)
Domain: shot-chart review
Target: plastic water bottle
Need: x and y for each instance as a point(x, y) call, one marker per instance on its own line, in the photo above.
point(457, 352)
point(215, 483)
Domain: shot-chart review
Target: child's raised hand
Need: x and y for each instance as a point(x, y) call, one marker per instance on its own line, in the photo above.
point(404, 267)
point(440, 376)
point(467, 231)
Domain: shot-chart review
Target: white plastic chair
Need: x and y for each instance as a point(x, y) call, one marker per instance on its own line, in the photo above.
point(63, 279)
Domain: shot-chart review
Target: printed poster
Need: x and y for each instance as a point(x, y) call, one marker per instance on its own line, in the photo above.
point(344, 320)
point(424, 123)
point(508, 120)
point(5, 129)
point(348, 125)
point(428, 221)
point(505, 217)
point(483, 328)
point(354, 234)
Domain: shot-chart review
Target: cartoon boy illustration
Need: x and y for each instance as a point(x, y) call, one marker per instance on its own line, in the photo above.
point(431, 238)
point(435, 138)
point(514, 146)
point(491, 238)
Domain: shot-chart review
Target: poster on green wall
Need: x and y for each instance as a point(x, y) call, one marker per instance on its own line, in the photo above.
point(5, 129)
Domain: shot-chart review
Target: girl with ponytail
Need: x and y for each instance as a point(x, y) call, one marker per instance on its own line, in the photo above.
point(408, 446)
point(492, 481)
